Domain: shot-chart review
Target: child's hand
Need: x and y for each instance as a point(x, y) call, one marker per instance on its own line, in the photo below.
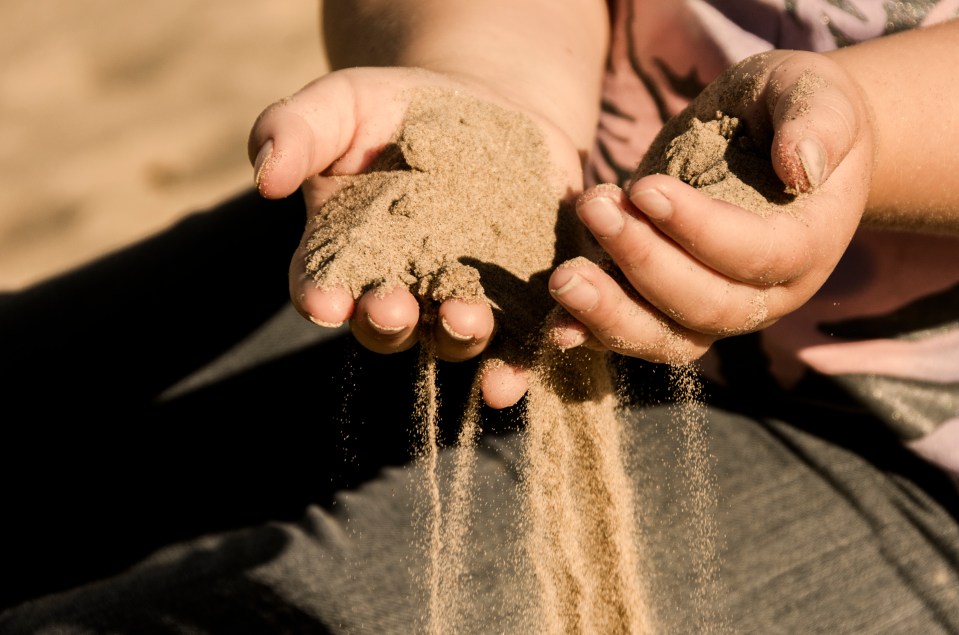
point(336, 126)
point(698, 269)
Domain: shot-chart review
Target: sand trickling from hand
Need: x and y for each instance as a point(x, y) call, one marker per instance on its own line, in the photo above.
point(720, 155)
point(582, 534)
point(700, 500)
point(461, 205)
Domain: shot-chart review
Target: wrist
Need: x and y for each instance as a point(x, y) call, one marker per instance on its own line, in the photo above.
point(562, 108)
point(542, 57)
point(902, 77)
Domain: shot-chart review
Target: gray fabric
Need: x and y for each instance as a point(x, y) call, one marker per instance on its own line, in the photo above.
point(816, 540)
point(911, 407)
point(828, 524)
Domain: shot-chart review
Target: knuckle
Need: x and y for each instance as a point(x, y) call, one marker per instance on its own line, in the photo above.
point(707, 317)
point(719, 314)
point(770, 264)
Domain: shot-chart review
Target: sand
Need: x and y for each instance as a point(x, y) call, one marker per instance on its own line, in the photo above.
point(709, 147)
point(150, 125)
point(725, 158)
point(581, 511)
point(460, 205)
point(717, 157)
point(120, 119)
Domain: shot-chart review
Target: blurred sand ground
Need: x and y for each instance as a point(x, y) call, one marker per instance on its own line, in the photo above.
point(117, 118)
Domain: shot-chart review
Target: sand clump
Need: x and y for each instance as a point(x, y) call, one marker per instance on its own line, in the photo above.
point(715, 156)
point(462, 205)
point(720, 154)
point(712, 149)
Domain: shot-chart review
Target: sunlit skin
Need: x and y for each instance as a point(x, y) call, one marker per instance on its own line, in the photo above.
point(875, 147)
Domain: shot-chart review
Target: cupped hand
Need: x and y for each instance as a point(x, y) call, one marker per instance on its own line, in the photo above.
point(337, 126)
point(687, 268)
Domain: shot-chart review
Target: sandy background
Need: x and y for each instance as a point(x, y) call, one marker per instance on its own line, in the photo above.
point(117, 118)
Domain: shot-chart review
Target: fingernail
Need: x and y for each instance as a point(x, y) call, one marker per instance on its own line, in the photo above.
point(652, 203)
point(575, 292)
point(813, 158)
point(602, 216)
point(327, 325)
point(566, 339)
point(452, 333)
point(265, 151)
point(386, 330)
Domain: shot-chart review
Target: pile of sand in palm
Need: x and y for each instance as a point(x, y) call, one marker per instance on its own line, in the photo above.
point(460, 205)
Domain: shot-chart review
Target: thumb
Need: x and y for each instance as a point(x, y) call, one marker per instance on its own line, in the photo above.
point(302, 135)
point(816, 123)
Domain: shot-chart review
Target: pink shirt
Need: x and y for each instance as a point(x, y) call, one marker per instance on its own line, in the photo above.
point(886, 324)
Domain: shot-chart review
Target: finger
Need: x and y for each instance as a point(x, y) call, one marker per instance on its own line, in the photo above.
point(726, 238)
point(566, 332)
point(675, 281)
point(621, 322)
point(386, 321)
point(325, 307)
point(502, 385)
point(815, 120)
point(463, 329)
point(321, 125)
